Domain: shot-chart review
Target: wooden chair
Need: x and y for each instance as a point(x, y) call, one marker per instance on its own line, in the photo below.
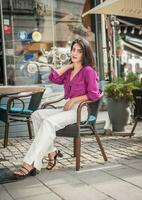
point(137, 96)
point(16, 109)
point(81, 128)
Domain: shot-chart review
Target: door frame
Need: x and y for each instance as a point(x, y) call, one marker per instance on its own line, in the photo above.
point(3, 45)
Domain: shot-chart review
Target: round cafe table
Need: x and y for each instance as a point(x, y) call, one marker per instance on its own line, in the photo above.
point(19, 89)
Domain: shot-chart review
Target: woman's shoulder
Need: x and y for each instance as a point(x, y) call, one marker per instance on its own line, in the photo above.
point(89, 69)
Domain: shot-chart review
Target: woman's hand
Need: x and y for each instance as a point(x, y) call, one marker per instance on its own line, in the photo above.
point(69, 104)
point(71, 66)
point(63, 69)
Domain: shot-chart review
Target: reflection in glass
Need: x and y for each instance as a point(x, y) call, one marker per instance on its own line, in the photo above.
point(39, 38)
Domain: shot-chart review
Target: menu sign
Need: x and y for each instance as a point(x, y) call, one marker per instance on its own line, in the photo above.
point(26, 4)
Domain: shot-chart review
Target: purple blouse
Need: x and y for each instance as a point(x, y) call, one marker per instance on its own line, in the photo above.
point(85, 82)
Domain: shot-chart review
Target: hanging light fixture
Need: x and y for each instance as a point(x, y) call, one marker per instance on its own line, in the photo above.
point(140, 31)
point(133, 30)
point(125, 30)
point(119, 30)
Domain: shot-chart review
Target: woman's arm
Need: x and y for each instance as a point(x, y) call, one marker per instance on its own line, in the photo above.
point(63, 69)
point(57, 76)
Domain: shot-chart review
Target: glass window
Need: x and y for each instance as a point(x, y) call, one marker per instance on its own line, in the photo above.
point(38, 34)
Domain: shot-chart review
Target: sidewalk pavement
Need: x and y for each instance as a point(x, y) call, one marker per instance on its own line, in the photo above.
point(119, 178)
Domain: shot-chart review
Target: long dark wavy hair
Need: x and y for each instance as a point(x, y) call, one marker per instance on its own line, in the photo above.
point(88, 57)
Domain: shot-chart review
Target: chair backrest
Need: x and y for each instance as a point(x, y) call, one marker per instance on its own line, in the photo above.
point(35, 100)
point(93, 107)
point(137, 96)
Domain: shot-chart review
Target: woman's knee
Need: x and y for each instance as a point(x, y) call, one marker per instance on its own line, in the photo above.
point(35, 115)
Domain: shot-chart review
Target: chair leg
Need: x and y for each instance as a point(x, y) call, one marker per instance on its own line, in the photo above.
point(74, 147)
point(29, 129)
point(6, 135)
point(132, 132)
point(77, 142)
point(101, 147)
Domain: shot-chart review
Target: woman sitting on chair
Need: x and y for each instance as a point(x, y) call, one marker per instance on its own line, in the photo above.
point(80, 82)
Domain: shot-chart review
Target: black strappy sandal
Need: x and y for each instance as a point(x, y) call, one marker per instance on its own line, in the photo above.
point(23, 174)
point(52, 163)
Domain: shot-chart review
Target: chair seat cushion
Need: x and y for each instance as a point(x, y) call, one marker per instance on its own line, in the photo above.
point(68, 131)
point(92, 118)
point(15, 109)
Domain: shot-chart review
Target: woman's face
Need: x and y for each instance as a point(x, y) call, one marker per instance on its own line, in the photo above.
point(76, 54)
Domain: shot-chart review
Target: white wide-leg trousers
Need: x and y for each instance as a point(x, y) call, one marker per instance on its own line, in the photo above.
point(45, 124)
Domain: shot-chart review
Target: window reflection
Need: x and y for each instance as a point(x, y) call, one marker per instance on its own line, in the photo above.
point(38, 36)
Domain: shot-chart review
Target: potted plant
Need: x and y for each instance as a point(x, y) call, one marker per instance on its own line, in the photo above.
point(119, 98)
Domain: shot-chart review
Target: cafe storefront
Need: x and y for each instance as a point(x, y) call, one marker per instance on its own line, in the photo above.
point(36, 36)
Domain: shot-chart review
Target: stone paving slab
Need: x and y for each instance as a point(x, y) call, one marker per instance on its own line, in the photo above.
point(118, 179)
point(118, 149)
